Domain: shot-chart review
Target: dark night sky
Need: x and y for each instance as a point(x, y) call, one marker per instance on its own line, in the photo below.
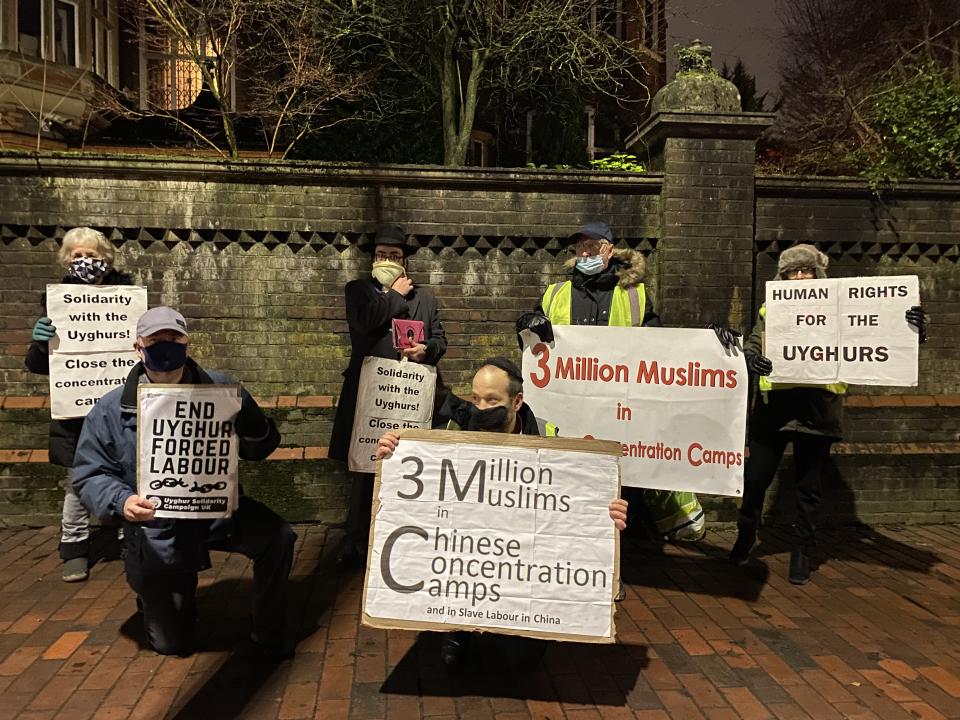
point(748, 29)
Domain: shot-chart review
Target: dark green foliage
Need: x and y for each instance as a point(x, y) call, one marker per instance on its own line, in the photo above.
point(918, 121)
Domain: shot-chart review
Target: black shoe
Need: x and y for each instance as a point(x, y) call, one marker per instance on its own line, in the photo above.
point(452, 650)
point(800, 566)
point(746, 539)
point(621, 592)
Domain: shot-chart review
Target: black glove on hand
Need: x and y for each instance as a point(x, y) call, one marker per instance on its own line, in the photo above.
point(538, 324)
point(918, 318)
point(251, 422)
point(728, 337)
point(759, 365)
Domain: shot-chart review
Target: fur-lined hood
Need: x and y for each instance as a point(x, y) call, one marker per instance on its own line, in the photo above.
point(633, 267)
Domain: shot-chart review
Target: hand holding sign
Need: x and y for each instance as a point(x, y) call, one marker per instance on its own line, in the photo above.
point(138, 509)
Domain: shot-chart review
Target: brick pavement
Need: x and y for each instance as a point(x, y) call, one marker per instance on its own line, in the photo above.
point(876, 634)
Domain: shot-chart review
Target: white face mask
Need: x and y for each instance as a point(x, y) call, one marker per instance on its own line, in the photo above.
point(386, 272)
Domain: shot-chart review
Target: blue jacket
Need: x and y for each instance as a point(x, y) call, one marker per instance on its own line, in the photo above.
point(105, 473)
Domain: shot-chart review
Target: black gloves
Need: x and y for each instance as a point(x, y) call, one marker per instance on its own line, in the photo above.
point(538, 324)
point(918, 318)
point(759, 365)
point(728, 337)
point(251, 421)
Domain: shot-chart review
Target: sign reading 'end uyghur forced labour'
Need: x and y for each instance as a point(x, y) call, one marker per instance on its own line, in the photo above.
point(674, 399)
point(188, 449)
point(850, 330)
point(492, 531)
point(92, 352)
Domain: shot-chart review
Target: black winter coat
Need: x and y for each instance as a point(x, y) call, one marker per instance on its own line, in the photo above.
point(370, 311)
point(63, 433)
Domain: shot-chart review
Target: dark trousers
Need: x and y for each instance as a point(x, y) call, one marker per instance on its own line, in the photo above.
point(358, 514)
point(810, 453)
point(167, 599)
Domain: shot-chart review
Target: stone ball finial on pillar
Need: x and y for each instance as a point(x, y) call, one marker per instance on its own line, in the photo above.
point(697, 87)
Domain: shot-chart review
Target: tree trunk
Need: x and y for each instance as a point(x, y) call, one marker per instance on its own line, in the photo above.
point(450, 104)
point(459, 105)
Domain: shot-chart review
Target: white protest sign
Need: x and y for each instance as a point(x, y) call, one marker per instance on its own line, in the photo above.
point(392, 395)
point(92, 351)
point(187, 449)
point(674, 399)
point(90, 318)
point(78, 381)
point(493, 531)
point(850, 330)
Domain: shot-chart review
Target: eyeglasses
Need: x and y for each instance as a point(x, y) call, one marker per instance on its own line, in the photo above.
point(588, 246)
point(800, 272)
point(381, 257)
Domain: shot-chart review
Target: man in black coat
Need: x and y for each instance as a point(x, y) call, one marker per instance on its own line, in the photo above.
point(373, 302)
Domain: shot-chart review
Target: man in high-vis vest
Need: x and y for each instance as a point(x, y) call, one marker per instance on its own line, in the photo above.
point(606, 288)
point(810, 416)
point(496, 405)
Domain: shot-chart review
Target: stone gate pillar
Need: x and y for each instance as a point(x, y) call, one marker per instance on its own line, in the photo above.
point(705, 147)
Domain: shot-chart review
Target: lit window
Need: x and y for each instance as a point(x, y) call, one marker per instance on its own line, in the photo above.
point(174, 79)
point(65, 38)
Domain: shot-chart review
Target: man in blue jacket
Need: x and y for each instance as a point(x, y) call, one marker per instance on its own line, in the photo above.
point(163, 555)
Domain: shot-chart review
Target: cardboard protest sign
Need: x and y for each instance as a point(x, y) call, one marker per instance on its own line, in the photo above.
point(848, 330)
point(493, 531)
point(393, 395)
point(78, 380)
point(92, 351)
point(90, 318)
point(673, 398)
point(187, 449)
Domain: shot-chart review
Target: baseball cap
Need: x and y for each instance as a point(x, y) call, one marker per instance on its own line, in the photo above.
point(594, 230)
point(161, 318)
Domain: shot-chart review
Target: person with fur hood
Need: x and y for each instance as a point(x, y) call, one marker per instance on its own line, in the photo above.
point(606, 288)
point(809, 416)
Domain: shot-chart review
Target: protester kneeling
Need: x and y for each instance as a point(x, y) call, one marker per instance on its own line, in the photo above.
point(164, 555)
point(496, 406)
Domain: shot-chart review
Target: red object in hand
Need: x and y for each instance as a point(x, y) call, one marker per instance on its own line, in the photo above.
point(406, 333)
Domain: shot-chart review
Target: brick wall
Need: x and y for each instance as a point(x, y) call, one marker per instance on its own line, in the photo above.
point(256, 256)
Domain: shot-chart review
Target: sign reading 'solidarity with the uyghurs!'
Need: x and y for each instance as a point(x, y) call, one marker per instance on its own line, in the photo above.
point(188, 449)
point(92, 352)
point(850, 330)
point(495, 532)
point(392, 395)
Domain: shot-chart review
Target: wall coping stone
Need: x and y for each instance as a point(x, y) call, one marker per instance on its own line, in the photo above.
point(305, 173)
point(831, 187)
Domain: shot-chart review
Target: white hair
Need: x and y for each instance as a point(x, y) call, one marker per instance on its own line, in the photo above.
point(86, 237)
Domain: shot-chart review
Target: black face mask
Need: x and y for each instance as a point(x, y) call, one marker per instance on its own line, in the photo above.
point(488, 420)
point(165, 356)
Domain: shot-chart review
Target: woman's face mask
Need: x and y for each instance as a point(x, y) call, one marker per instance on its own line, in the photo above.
point(386, 272)
point(165, 356)
point(89, 270)
point(590, 265)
